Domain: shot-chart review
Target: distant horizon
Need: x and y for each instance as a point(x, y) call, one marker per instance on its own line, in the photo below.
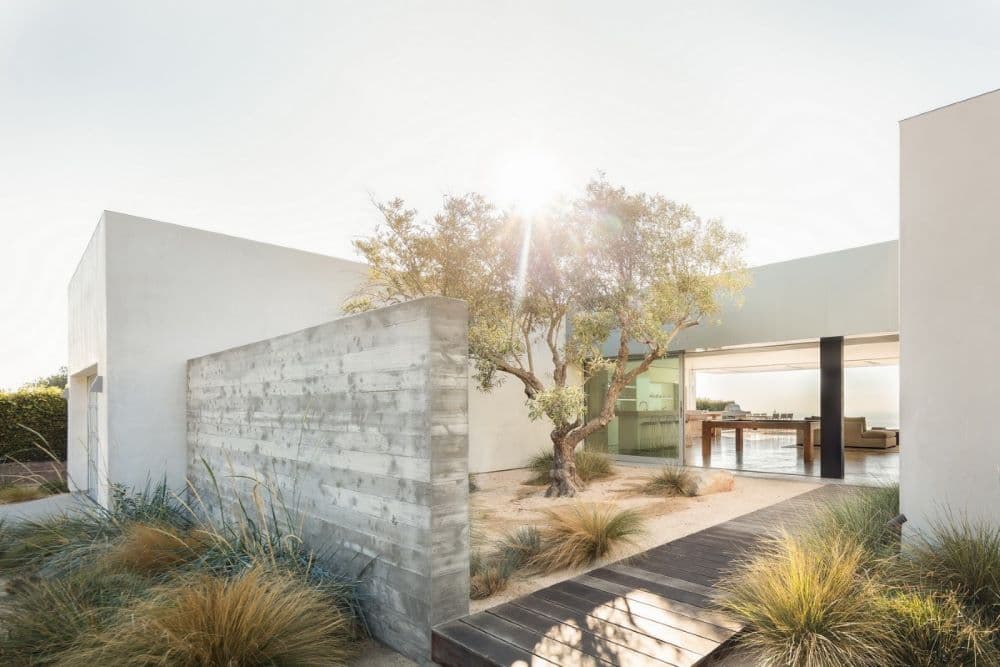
point(871, 392)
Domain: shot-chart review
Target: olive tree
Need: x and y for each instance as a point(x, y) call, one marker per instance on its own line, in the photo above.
point(613, 261)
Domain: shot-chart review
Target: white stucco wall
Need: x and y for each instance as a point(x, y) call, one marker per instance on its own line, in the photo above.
point(87, 355)
point(501, 436)
point(949, 367)
point(844, 293)
point(174, 293)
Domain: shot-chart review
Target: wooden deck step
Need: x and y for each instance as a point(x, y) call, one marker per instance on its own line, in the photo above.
point(654, 609)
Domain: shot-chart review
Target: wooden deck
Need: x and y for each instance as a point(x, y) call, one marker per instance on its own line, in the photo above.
point(655, 608)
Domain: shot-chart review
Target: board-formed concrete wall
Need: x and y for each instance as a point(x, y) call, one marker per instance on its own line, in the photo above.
point(363, 421)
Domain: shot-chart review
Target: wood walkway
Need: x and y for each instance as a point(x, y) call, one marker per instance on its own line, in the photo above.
point(655, 608)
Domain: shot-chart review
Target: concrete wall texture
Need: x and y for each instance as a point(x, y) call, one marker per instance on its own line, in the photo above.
point(949, 367)
point(364, 422)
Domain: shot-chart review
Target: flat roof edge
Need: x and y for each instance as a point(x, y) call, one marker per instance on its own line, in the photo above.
point(950, 104)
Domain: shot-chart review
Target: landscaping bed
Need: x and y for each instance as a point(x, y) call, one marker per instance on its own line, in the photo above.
point(845, 591)
point(505, 503)
point(152, 582)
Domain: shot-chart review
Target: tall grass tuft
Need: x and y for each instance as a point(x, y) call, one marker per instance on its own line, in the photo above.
point(515, 549)
point(48, 616)
point(862, 518)
point(154, 538)
point(487, 580)
point(149, 550)
point(69, 541)
point(808, 604)
point(589, 465)
point(672, 480)
point(584, 533)
point(934, 629)
point(962, 556)
point(261, 618)
point(490, 572)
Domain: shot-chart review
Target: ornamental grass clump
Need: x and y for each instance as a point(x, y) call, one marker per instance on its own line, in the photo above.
point(150, 550)
point(261, 617)
point(490, 572)
point(863, 518)
point(842, 592)
point(583, 533)
point(42, 618)
point(962, 556)
point(515, 549)
point(150, 581)
point(590, 466)
point(933, 628)
point(807, 603)
point(672, 480)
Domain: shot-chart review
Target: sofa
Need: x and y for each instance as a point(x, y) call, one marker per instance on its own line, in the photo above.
point(857, 434)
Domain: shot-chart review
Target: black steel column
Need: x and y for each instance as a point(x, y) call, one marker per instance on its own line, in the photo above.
point(831, 405)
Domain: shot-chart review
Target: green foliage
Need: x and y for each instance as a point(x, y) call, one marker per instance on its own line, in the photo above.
point(862, 518)
point(562, 405)
point(934, 629)
point(807, 605)
point(516, 549)
point(589, 465)
point(57, 380)
point(40, 409)
point(120, 581)
point(842, 592)
point(711, 404)
point(672, 480)
point(490, 572)
point(48, 617)
point(583, 533)
point(963, 556)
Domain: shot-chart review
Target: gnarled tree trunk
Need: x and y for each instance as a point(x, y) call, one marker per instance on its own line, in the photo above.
point(563, 479)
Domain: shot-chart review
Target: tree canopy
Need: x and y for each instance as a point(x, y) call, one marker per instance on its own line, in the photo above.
point(612, 261)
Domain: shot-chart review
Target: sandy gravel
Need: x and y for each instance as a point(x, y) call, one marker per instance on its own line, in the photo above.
point(504, 503)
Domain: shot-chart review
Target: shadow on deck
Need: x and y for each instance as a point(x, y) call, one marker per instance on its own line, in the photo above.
point(655, 608)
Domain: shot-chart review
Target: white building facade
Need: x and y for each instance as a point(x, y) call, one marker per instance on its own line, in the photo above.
point(147, 296)
point(950, 371)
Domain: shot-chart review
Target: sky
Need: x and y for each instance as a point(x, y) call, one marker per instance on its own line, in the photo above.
point(281, 122)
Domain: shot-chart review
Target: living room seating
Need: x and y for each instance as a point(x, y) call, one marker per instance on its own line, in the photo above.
point(857, 434)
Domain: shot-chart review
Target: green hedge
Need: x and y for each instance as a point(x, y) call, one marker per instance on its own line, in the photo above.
point(42, 409)
point(712, 405)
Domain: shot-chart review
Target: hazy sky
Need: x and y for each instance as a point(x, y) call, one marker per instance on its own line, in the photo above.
point(278, 121)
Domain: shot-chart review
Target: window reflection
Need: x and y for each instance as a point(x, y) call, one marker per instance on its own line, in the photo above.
point(647, 412)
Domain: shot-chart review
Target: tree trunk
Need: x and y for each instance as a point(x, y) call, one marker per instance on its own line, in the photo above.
point(564, 481)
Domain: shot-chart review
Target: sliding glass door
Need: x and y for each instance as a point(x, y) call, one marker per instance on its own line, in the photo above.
point(647, 413)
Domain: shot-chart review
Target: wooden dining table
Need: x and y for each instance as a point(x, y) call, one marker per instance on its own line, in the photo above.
point(804, 427)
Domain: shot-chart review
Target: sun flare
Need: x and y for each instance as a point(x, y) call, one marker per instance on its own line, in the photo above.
point(528, 180)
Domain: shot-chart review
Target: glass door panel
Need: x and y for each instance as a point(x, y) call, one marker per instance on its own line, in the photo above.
point(647, 412)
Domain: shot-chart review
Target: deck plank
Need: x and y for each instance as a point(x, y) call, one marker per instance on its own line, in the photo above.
point(656, 608)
